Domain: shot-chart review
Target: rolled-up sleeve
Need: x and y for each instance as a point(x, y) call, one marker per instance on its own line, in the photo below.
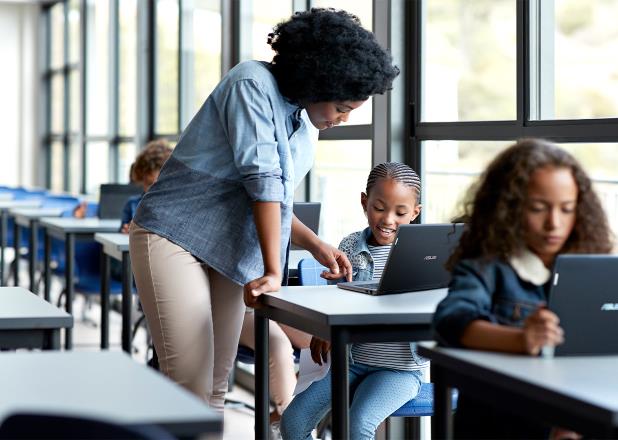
point(469, 298)
point(249, 122)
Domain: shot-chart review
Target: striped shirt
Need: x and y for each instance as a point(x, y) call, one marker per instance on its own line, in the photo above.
point(393, 355)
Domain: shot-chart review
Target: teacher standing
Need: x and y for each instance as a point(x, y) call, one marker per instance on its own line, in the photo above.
point(218, 220)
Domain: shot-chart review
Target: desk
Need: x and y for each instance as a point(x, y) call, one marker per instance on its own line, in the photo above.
point(342, 317)
point(68, 230)
point(101, 385)
point(28, 321)
point(5, 205)
point(116, 245)
point(579, 393)
point(29, 218)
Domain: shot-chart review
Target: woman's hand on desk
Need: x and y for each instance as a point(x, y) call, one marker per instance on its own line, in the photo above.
point(334, 259)
point(319, 350)
point(264, 284)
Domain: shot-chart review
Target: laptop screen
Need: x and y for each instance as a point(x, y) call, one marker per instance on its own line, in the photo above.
point(585, 298)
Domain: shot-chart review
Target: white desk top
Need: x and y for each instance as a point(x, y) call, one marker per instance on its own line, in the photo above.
point(589, 379)
point(24, 215)
point(22, 309)
point(114, 243)
point(67, 225)
point(5, 205)
point(334, 306)
point(102, 385)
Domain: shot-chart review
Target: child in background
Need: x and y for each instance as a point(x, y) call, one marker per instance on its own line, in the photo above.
point(145, 170)
point(382, 376)
point(532, 203)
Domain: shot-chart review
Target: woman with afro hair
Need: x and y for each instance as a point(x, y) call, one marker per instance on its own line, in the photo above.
point(217, 223)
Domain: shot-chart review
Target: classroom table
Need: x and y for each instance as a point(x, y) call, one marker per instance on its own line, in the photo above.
point(28, 321)
point(342, 317)
point(575, 392)
point(69, 229)
point(102, 385)
point(116, 245)
point(29, 218)
point(5, 205)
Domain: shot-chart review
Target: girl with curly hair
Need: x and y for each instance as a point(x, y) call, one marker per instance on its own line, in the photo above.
point(532, 203)
point(217, 223)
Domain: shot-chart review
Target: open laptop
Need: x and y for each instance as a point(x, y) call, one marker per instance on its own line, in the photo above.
point(309, 214)
point(113, 196)
point(584, 295)
point(416, 260)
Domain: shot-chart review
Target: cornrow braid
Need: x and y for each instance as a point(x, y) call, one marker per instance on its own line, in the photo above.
point(399, 172)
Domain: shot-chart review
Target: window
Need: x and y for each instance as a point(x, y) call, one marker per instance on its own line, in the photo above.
point(495, 71)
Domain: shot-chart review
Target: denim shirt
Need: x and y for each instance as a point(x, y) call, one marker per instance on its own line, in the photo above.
point(489, 290)
point(247, 143)
point(356, 248)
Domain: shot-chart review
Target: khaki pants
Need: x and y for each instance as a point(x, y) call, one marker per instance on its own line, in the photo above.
point(194, 313)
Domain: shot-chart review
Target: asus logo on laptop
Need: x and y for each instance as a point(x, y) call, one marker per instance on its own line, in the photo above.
point(610, 307)
point(433, 257)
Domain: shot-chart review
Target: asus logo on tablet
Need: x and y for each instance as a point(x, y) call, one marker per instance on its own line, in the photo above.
point(433, 257)
point(610, 307)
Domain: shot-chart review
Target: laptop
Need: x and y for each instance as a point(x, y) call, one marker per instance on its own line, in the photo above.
point(416, 260)
point(584, 295)
point(309, 214)
point(113, 196)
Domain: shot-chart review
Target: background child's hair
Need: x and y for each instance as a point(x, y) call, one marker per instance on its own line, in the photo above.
point(397, 171)
point(150, 159)
point(495, 206)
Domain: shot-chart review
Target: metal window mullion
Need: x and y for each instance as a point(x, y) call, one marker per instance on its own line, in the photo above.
point(146, 72)
point(113, 107)
point(230, 34)
point(46, 81)
point(83, 61)
point(67, 99)
point(181, 70)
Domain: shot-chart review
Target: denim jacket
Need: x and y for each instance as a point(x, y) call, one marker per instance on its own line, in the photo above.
point(357, 250)
point(247, 143)
point(501, 292)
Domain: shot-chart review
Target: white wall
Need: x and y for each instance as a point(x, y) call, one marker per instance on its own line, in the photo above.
point(20, 100)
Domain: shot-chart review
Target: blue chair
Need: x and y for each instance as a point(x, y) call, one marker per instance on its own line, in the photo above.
point(309, 271)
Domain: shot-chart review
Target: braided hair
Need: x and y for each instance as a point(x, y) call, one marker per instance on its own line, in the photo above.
point(397, 171)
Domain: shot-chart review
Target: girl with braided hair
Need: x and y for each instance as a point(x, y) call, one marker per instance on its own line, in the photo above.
point(383, 376)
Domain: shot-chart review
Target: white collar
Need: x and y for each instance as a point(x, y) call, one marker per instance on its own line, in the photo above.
point(529, 267)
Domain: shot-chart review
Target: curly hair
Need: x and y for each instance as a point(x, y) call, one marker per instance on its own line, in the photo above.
point(494, 210)
point(325, 55)
point(150, 159)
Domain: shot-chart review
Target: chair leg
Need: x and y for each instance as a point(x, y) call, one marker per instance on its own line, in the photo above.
point(413, 427)
point(60, 297)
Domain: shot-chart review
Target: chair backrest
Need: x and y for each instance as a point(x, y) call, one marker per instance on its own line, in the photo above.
point(113, 196)
point(37, 426)
point(309, 271)
point(66, 203)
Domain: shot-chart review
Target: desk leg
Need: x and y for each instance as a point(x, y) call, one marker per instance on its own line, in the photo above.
point(47, 268)
point(262, 400)
point(16, 244)
point(32, 257)
point(339, 383)
point(105, 274)
point(442, 420)
point(3, 232)
point(52, 340)
point(69, 252)
point(127, 302)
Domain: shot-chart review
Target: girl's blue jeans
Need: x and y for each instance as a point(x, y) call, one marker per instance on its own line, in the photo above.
point(377, 393)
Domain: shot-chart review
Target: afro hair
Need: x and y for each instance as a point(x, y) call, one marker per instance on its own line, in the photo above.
point(325, 55)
